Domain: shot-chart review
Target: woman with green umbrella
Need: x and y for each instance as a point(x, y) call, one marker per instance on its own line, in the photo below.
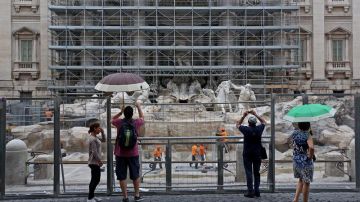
point(302, 141)
point(303, 164)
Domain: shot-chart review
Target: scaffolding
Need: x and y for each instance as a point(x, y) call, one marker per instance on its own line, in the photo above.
point(248, 41)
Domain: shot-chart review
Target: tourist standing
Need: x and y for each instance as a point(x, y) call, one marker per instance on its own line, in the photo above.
point(223, 133)
point(303, 156)
point(194, 153)
point(157, 157)
point(252, 151)
point(126, 148)
point(94, 161)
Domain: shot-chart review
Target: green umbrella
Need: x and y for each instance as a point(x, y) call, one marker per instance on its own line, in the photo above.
point(309, 112)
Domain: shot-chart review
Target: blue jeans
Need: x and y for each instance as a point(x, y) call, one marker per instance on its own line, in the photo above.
point(252, 167)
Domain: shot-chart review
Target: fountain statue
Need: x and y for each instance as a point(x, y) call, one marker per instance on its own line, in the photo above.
point(224, 96)
point(246, 95)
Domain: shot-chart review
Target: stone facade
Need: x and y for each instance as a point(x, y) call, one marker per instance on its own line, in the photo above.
point(329, 60)
point(23, 48)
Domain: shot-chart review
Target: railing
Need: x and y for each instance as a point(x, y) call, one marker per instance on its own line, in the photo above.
point(302, 3)
point(338, 3)
point(341, 65)
point(338, 67)
point(26, 67)
point(220, 171)
point(34, 4)
point(180, 3)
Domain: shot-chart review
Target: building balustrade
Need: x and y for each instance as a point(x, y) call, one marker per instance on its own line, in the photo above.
point(338, 67)
point(306, 4)
point(331, 4)
point(33, 4)
point(31, 68)
point(305, 68)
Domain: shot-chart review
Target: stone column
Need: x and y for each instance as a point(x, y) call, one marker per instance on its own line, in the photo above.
point(308, 48)
point(346, 58)
point(17, 48)
point(318, 42)
point(44, 45)
point(355, 37)
point(329, 53)
point(5, 38)
point(33, 56)
point(329, 47)
point(228, 40)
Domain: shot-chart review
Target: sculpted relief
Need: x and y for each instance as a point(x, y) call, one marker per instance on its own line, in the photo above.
point(223, 98)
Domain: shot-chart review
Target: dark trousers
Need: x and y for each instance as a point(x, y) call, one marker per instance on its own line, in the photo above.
point(157, 159)
point(193, 158)
point(95, 179)
point(252, 167)
point(202, 159)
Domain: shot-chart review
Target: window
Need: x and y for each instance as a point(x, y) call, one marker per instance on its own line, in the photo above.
point(26, 50)
point(302, 50)
point(338, 50)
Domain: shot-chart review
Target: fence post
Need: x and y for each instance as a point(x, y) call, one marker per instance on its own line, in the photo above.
point(168, 166)
point(220, 155)
point(271, 170)
point(2, 146)
point(57, 147)
point(109, 158)
point(305, 98)
point(357, 141)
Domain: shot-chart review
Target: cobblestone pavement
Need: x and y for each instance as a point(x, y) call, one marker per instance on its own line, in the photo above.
point(273, 197)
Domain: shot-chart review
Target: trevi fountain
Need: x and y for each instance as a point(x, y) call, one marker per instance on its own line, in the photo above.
point(187, 109)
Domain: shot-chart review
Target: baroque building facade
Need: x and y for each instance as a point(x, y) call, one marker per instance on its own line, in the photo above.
point(328, 56)
point(23, 48)
point(329, 53)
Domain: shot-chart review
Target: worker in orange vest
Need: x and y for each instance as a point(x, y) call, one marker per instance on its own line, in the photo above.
point(202, 153)
point(223, 133)
point(157, 156)
point(48, 114)
point(194, 153)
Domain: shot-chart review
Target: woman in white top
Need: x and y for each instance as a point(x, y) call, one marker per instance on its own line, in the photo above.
point(94, 161)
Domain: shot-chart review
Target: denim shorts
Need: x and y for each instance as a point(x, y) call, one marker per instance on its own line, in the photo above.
point(122, 163)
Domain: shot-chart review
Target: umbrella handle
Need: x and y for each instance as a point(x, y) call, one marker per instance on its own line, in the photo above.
point(123, 102)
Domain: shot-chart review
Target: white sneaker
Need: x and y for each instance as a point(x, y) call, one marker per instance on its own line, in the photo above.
point(91, 200)
point(97, 199)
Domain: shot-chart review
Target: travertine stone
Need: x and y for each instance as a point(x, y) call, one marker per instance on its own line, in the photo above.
point(16, 156)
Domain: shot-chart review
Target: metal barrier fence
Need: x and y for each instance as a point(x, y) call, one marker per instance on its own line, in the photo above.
point(59, 149)
point(336, 166)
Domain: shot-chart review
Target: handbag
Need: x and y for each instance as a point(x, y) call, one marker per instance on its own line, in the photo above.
point(263, 153)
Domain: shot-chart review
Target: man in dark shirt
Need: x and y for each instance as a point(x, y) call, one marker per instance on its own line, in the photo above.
point(252, 151)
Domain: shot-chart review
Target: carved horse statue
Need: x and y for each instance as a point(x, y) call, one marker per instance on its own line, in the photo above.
point(224, 96)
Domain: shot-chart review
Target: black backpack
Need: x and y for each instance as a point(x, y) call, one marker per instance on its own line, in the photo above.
point(127, 135)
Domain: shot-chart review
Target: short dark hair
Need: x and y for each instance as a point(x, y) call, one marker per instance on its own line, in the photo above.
point(128, 112)
point(304, 126)
point(93, 126)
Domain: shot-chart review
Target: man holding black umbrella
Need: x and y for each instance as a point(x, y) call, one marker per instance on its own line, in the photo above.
point(126, 148)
